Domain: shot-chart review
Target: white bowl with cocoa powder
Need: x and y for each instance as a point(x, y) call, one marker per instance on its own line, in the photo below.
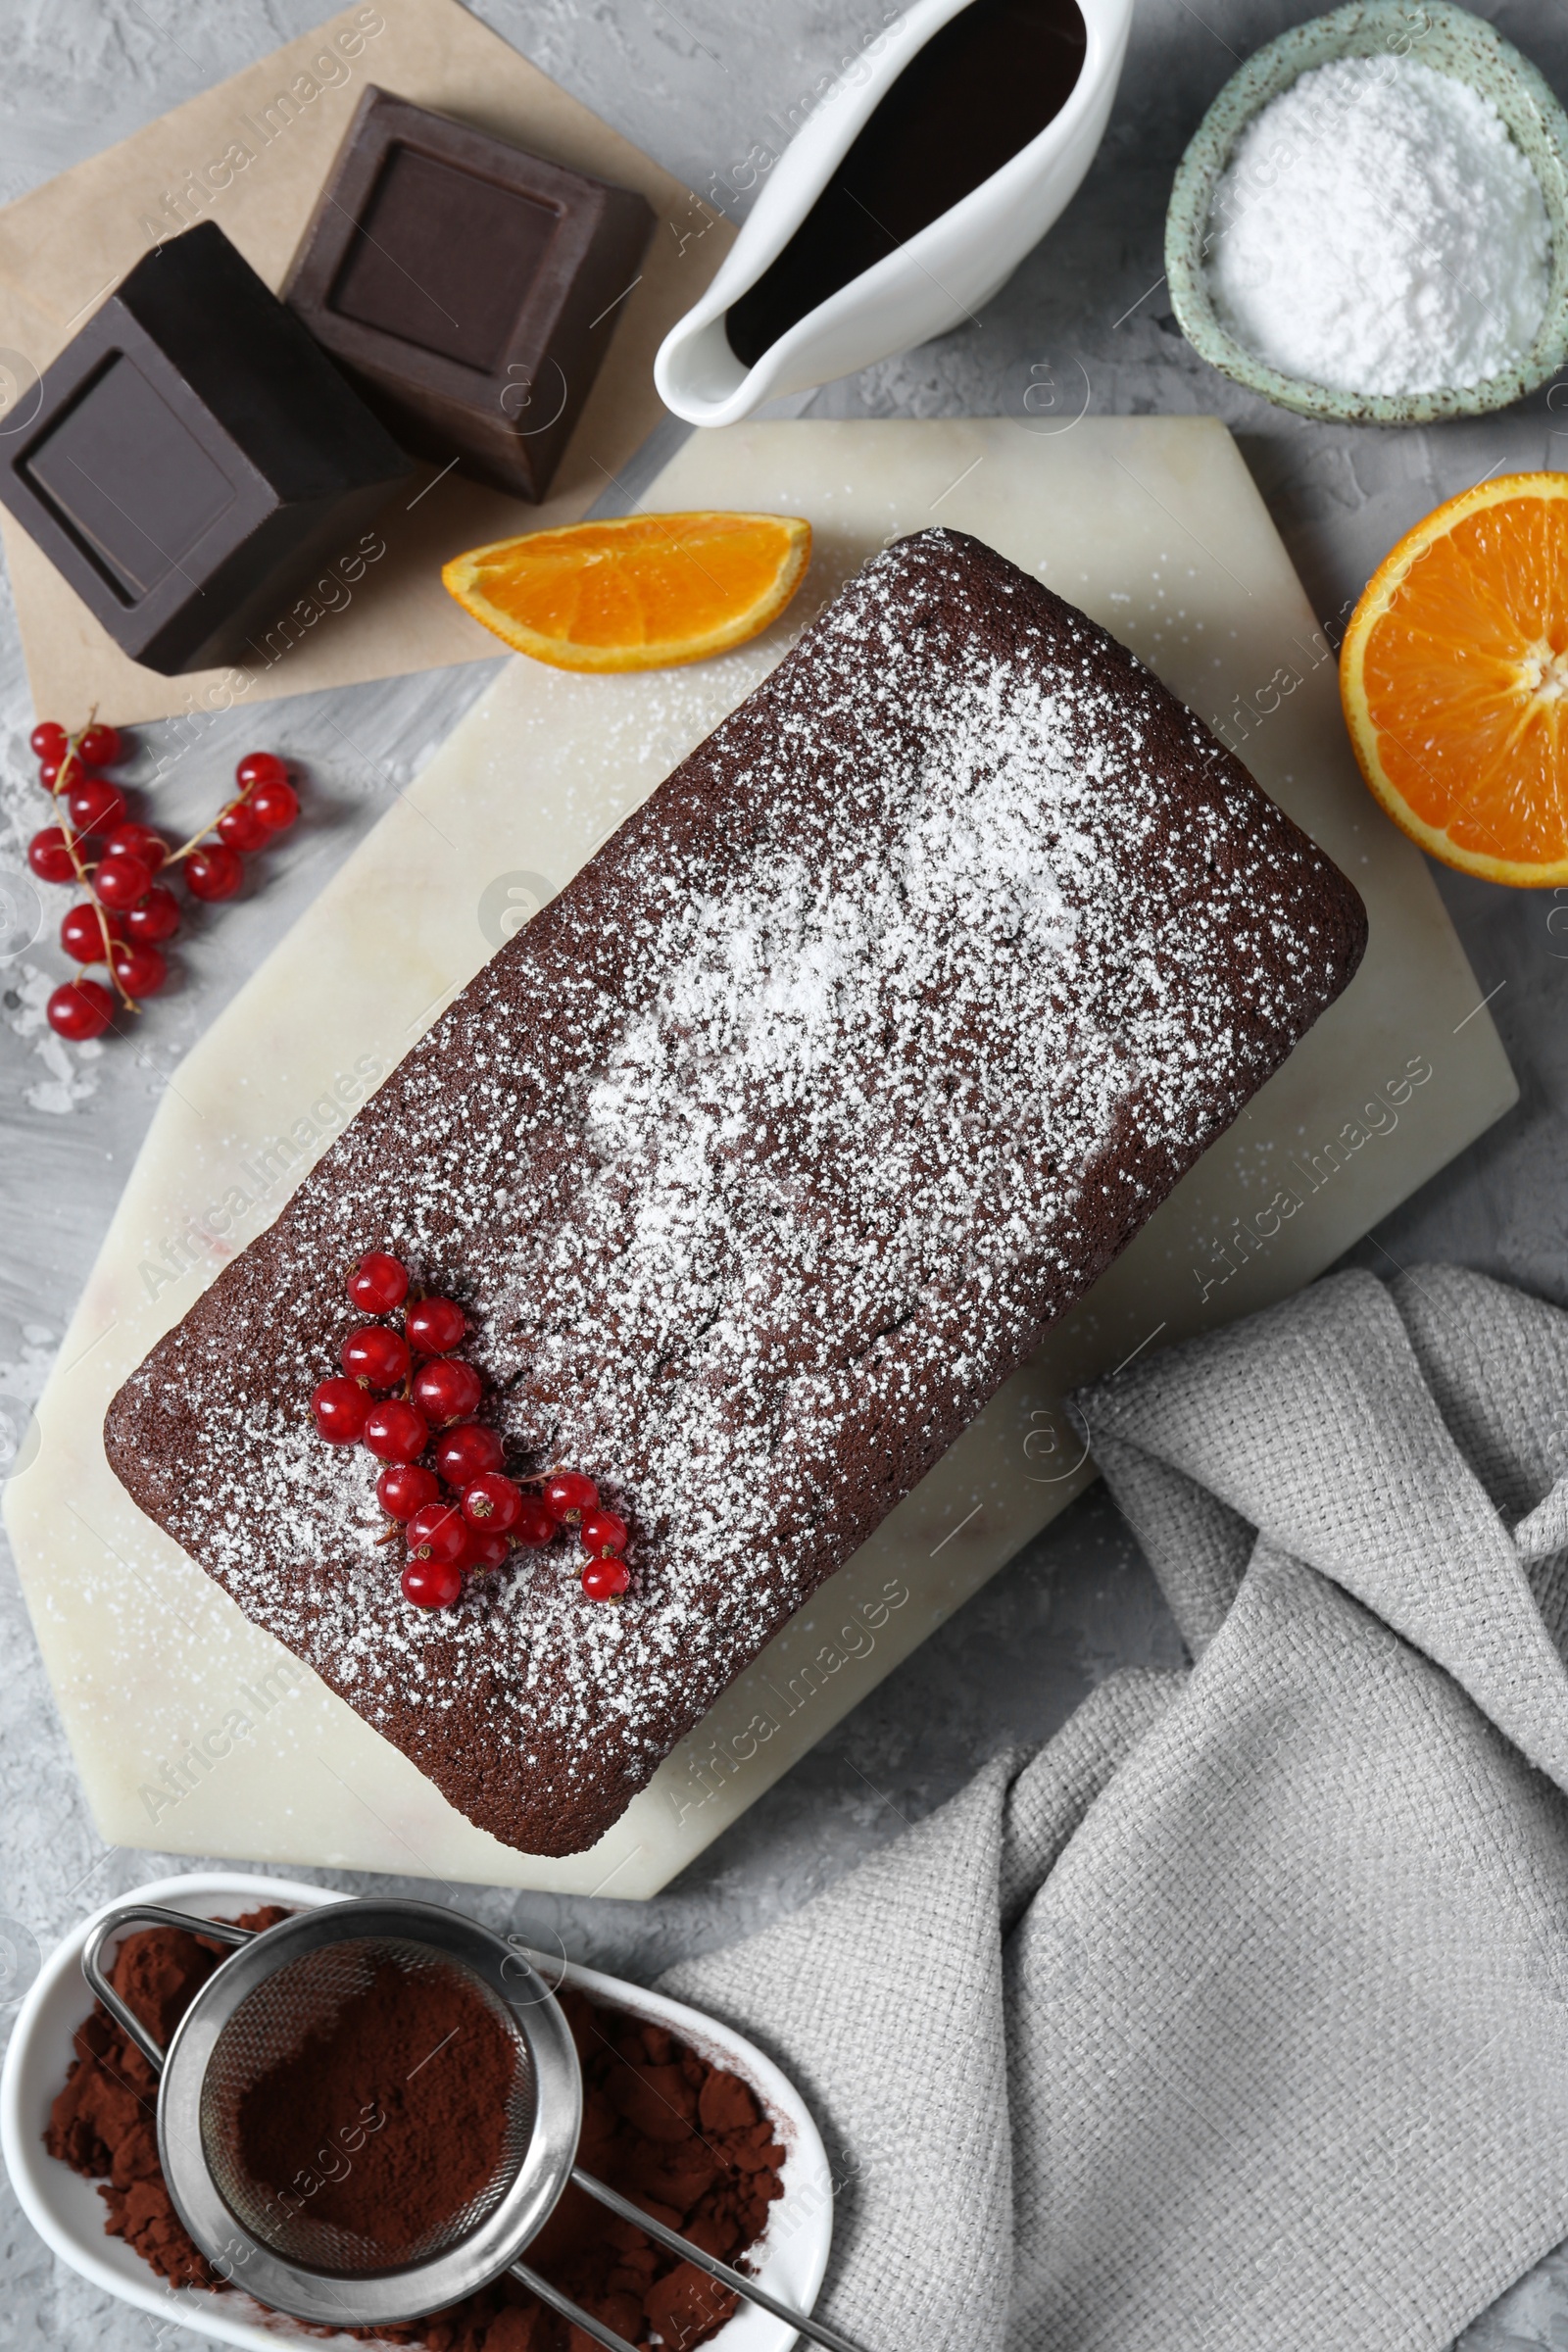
point(68, 2213)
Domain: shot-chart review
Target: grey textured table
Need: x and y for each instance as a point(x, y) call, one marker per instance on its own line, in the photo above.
point(702, 91)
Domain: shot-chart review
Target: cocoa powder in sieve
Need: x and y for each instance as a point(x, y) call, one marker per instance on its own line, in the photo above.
point(391, 2118)
point(680, 2136)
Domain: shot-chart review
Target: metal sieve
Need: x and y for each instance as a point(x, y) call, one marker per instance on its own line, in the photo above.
point(285, 1987)
point(268, 2027)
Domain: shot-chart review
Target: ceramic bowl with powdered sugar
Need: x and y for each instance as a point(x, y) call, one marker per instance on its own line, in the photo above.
point(1371, 223)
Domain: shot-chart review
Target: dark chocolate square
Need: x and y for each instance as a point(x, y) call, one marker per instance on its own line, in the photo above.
point(470, 289)
point(128, 479)
point(400, 253)
point(193, 456)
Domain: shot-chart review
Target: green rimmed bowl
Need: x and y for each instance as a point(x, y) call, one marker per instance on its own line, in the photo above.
point(1450, 41)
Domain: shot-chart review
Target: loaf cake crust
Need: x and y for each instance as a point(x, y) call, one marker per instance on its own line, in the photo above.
point(759, 1159)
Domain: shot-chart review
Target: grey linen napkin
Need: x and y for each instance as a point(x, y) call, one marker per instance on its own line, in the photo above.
point(1236, 2015)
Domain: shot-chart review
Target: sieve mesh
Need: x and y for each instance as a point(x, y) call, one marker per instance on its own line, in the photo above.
point(296, 2003)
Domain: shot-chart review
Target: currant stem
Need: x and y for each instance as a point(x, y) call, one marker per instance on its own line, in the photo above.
point(82, 874)
point(102, 933)
point(72, 753)
point(196, 839)
point(81, 871)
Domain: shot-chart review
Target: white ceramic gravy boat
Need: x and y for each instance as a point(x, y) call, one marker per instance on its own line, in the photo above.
point(935, 278)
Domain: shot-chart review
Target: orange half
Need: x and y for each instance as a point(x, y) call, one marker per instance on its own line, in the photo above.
point(644, 592)
point(1455, 680)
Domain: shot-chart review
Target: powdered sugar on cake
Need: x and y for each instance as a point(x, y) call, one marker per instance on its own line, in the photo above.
point(768, 1151)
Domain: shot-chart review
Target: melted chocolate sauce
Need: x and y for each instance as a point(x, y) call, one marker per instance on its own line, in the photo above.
point(982, 87)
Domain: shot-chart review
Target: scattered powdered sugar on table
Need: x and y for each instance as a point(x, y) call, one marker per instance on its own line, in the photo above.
point(760, 1159)
point(1377, 231)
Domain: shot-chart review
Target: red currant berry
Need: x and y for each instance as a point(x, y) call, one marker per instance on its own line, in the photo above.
point(153, 918)
point(140, 971)
point(434, 1326)
point(604, 1530)
point(376, 1355)
point(137, 841)
point(49, 740)
point(487, 1549)
point(492, 1502)
point(49, 855)
point(242, 829)
point(101, 746)
point(340, 1407)
point(83, 1008)
point(466, 1452)
point(213, 872)
point(394, 1432)
point(405, 1488)
point(379, 1283)
point(535, 1523)
point(276, 804)
point(605, 1580)
point(433, 1584)
point(261, 767)
point(567, 1495)
point(58, 775)
point(120, 881)
point(438, 1532)
point(96, 805)
point(447, 1389)
point(81, 934)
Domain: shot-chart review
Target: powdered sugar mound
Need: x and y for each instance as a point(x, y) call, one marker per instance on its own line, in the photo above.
point(1377, 231)
point(759, 1160)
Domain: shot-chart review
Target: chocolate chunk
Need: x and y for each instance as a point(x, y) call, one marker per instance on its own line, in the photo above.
point(193, 456)
point(470, 289)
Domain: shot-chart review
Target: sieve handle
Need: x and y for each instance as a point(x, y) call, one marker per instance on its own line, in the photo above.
point(114, 1924)
point(747, 2288)
point(570, 2310)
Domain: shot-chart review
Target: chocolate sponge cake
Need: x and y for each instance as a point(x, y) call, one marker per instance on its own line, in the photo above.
point(757, 1160)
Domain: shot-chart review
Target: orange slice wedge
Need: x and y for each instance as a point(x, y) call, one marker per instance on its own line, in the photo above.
point(644, 592)
point(1455, 680)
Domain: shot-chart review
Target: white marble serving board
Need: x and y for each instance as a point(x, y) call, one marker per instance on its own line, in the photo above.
point(193, 1731)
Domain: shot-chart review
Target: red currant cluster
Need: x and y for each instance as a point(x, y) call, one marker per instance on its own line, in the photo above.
point(126, 917)
point(439, 1393)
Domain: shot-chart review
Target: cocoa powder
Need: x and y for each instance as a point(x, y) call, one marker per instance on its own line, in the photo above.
point(680, 2137)
point(104, 2122)
point(391, 2118)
